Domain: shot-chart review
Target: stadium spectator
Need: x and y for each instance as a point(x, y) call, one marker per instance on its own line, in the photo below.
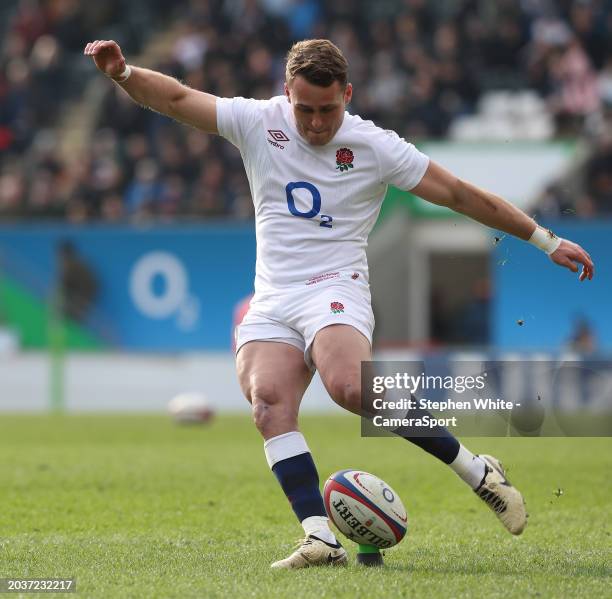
point(582, 338)
point(472, 320)
point(599, 177)
point(77, 284)
point(574, 93)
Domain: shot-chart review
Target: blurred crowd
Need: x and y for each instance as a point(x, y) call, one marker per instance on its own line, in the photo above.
point(416, 65)
point(586, 190)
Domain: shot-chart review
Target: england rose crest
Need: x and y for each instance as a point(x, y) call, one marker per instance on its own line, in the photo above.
point(336, 307)
point(344, 159)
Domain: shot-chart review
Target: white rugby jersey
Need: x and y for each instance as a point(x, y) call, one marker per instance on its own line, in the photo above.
point(314, 205)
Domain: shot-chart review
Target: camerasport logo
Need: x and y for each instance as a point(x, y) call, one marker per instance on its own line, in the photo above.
point(344, 159)
point(336, 307)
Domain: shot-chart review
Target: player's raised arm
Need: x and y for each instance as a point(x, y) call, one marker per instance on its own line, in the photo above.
point(155, 90)
point(441, 187)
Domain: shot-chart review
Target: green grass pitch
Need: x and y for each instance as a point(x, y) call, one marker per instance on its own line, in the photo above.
point(135, 506)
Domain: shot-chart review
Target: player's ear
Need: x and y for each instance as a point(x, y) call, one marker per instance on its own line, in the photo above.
point(287, 93)
point(348, 93)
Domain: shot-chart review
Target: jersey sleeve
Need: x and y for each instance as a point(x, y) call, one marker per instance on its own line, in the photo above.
point(236, 117)
point(401, 164)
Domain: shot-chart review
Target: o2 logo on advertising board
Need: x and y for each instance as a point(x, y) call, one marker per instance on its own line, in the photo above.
point(159, 288)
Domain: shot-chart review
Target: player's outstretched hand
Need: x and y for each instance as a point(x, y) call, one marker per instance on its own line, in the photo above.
point(570, 254)
point(107, 56)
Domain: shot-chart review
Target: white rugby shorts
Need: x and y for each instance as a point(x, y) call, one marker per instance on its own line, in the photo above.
point(296, 315)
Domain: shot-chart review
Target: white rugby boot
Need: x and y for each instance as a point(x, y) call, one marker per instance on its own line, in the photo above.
point(499, 494)
point(314, 552)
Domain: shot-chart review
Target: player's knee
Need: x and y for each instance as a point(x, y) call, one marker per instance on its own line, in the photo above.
point(346, 392)
point(260, 390)
point(263, 398)
point(261, 394)
point(261, 416)
point(273, 419)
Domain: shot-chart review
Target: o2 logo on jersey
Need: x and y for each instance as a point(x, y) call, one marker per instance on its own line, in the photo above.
point(326, 220)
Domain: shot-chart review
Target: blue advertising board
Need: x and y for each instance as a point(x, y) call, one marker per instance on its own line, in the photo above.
point(161, 288)
point(174, 287)
point(538, 305)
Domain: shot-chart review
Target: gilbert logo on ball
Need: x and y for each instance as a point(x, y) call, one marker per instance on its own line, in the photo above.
point(365, 508)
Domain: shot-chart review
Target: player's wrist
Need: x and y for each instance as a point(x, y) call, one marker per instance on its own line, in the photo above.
point(124, 75)
point(545, 240)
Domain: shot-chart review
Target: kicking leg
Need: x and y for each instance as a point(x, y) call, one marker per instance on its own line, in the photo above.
point(273, 377)
point(338, 351)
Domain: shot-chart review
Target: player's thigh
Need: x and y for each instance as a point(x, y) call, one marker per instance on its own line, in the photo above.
point(337, 352)
point(273, 373)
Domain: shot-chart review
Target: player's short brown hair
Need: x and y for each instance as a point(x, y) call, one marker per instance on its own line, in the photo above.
point(320, 62)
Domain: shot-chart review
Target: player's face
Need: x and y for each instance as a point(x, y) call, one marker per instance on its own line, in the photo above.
point(318, 110)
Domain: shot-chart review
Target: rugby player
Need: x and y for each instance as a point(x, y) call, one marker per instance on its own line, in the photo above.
point(318, 176)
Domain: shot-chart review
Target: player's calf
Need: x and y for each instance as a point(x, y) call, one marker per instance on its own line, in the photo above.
point(291, 462)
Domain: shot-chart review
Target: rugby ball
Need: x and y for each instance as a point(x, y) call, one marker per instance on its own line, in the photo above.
point(365, 508)
point(192, 407)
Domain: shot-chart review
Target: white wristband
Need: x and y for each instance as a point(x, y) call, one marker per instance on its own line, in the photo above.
point(123, 76)
point(545, 239)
